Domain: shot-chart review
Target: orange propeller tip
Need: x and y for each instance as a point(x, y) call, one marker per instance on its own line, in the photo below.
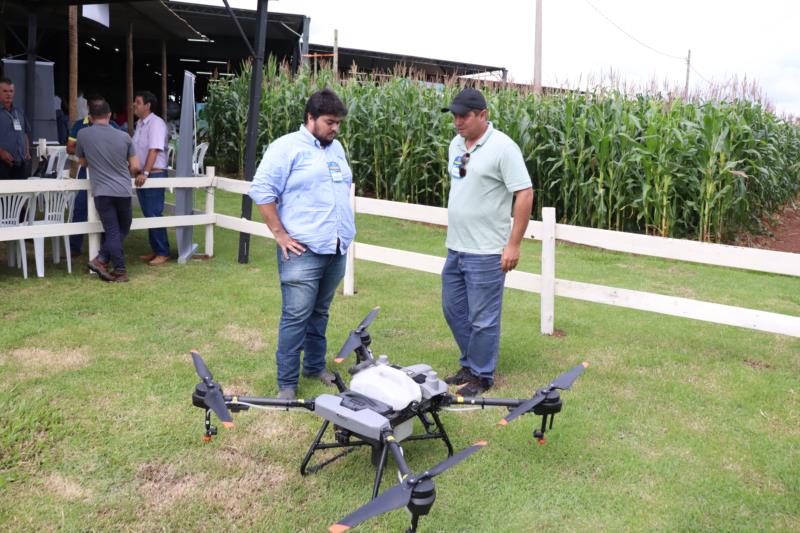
point(481, 443)
point(585, 364)
point(338, 528)
point(228, 425)
point(503, 422)
point(194, 350)
point(338, 360)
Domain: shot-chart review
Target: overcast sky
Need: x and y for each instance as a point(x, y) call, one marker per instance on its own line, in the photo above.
point(580, 41)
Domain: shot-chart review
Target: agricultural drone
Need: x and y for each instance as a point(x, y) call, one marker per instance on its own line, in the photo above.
point(378, 410)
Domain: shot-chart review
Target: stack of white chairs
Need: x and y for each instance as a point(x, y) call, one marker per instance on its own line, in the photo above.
point(11, 209)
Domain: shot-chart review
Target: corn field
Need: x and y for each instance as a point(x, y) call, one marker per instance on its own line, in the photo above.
point(651, 164)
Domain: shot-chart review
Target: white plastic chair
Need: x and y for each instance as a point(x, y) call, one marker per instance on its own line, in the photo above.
point(171, 157)
point(56, 206)
point(11, 206)
point(56, 163)
point(198, 158)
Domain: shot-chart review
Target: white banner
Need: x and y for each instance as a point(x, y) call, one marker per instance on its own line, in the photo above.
point(97, 13)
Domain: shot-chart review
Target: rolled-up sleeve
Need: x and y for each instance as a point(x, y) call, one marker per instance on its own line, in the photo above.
point(270, 178)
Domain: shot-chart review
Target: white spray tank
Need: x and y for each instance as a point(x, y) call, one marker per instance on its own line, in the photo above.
point(387, 384)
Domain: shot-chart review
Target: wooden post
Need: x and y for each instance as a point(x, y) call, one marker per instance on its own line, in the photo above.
point(336, 54)
point(688, 66)
point(73, 64)
point(548, 278)
point(537, 51)
point(210, 171)
point(349, 288)
point(2, 46)
point(164, 80)
point(129, 80)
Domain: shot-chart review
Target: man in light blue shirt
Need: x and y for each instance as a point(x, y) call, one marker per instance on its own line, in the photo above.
point(302, 190)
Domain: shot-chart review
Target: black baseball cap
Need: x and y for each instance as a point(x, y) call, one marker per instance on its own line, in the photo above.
point(467, 100)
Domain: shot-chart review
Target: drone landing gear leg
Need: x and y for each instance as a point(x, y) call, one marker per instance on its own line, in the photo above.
point(379, 472)
point(443, 433)
point(349, 446)
point(439, 433)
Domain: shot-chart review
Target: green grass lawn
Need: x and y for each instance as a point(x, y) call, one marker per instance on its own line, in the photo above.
point(676, 425)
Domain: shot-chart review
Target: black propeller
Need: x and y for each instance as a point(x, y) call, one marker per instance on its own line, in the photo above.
point(564, 382)
point(213, 397)
point(354, 340)
point(400, 495)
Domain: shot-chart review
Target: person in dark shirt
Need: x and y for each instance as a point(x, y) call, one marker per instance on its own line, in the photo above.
point(15, 153)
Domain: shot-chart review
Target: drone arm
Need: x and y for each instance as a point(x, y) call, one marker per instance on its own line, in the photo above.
point(390, 441)
point(232, 401)
point(511, 403)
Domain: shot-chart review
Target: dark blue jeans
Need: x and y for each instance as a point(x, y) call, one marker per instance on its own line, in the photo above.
point(472, 301)
point(308, 283)
point(152, 203)
point(115, 215)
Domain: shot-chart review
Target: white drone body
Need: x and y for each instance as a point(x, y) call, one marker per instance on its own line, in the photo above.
point(398, 387)
point(395, 387)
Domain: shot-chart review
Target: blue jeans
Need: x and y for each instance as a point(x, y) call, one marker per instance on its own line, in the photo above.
point(472, 301)
point(152, 203)
point(308, 283)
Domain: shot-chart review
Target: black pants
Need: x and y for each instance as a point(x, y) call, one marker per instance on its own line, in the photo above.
point(16, 172)
point(115, 215)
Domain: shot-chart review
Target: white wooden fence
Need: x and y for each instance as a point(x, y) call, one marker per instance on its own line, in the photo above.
point(546, 284)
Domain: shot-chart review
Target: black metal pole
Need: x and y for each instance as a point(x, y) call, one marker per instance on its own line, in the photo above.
point(30, 74)
point(251, 144)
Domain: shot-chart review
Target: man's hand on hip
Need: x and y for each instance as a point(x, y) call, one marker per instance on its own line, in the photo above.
point(288, 244)
point(510, 257)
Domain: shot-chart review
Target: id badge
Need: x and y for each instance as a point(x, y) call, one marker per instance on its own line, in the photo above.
point(335, 171)
point(17, 125)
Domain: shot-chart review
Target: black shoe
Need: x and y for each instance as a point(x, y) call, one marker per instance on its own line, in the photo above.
point(474, 388)
point(461, 377)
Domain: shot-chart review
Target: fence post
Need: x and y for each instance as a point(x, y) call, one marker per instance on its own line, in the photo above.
point(92, 216)
point(548, 278)
point(210, 171)
point(350, 265)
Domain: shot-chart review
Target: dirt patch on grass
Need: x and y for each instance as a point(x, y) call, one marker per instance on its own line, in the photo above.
point(248, 337)
point(38, 362)
point(758, 365)
point(161, 486)
point(66, 488)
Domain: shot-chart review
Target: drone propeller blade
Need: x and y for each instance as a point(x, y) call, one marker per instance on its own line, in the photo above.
point(565, 380)
point(394, 498)
point(524, 407)
point(453, 460)
point(200, 367)
point(354, 340)
point(213, 398)
point(368, 319)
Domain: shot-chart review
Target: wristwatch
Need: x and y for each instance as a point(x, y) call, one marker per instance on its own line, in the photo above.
point(146, 173)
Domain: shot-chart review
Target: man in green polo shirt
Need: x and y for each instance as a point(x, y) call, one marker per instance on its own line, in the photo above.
point(487, 172)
